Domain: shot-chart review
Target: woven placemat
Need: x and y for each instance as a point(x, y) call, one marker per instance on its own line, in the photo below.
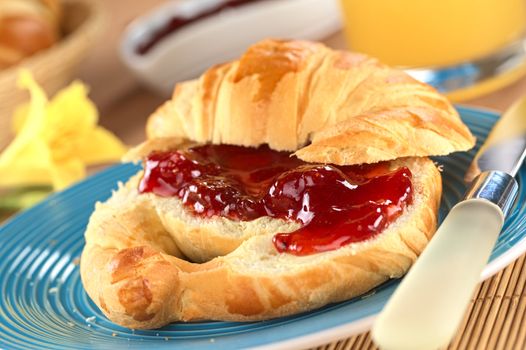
point(496, 319)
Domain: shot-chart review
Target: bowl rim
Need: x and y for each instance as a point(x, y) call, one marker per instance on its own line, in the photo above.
point(137, 29)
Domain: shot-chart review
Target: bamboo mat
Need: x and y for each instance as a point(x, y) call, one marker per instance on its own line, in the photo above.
point(496, 319)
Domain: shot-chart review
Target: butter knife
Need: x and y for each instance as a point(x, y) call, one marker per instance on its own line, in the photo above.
point(427, 307)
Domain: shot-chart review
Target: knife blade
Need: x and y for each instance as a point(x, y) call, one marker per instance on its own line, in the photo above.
point(427, 307)
point(504, 149)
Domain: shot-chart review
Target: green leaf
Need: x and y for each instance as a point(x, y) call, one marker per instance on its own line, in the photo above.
point(22, 197)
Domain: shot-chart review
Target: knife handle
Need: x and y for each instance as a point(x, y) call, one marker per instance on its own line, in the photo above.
point(427, 308)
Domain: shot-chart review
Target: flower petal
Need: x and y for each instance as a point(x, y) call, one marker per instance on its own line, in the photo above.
point(70, 113)
point(67, 172)
point(34, 121)
point(101, 146)
point(56, 139)
point(19, 117)
point(30, 166)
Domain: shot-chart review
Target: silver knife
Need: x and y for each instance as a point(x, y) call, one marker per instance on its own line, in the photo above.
point(428, 305)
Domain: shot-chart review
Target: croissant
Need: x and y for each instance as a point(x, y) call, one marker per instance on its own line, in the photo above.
point(133, 269)
point(26, 27)
point(149, 261)
point(329, 106)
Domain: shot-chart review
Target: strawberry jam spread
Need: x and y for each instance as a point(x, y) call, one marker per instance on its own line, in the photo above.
point(335, 205)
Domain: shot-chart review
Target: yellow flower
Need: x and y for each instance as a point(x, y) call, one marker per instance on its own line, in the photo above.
point(55, 139)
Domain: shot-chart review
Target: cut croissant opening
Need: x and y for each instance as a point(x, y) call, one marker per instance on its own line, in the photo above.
point(148, 261)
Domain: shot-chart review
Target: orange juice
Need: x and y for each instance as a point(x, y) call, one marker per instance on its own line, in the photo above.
point(417, 33)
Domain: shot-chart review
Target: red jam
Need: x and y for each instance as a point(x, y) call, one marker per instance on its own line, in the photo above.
point(336, 205)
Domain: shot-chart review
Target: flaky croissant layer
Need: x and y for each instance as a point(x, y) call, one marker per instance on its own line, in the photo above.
point(329, 106)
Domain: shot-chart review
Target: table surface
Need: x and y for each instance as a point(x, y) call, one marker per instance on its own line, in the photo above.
point(496, 318)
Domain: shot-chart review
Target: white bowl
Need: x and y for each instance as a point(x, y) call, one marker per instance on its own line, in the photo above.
point(192, 49)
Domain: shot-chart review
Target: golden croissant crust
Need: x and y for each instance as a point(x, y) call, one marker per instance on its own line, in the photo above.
point(134, 269)
point(147, 262)
point(328, 106)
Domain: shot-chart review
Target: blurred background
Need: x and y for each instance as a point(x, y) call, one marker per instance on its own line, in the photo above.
point(406, 33)
point(128, 56)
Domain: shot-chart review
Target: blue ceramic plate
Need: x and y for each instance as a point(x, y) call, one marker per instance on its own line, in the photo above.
point(44, 305)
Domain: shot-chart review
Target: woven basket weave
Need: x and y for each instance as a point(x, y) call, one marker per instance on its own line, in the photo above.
point(52, 68)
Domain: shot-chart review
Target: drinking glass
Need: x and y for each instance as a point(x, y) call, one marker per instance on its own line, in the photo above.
point(463, 47)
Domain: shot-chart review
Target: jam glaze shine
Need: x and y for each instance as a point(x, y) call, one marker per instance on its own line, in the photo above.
point(335, 205)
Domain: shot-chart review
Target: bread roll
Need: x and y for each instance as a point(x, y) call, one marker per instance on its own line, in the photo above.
point(26, 27)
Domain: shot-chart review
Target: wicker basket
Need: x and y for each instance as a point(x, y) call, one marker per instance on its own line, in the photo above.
point(55, 67)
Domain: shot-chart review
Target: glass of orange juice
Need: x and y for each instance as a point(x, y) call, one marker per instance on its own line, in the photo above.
point(463, 47)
